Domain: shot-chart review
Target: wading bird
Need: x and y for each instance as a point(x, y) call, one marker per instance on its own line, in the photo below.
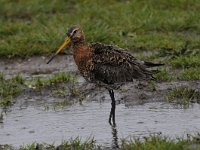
point(105, 65)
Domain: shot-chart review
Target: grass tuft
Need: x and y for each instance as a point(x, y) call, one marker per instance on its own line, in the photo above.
point(44, 82)
point(152, 142)
point(155, 142)
point(183, 95)
point(164, 75)
point(189, 74)
point(75, 144)
point(9, 88)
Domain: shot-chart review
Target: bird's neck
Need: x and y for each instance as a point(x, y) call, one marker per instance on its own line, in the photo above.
point(81, 48)
point(82, 53)
point(79, 44)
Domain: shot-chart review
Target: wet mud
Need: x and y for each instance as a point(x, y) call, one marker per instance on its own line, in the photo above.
point(41, 116)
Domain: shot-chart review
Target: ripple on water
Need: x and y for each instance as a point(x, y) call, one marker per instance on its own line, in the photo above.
point(34, 124)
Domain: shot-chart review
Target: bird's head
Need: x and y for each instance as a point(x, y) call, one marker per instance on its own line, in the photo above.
point(75, 35)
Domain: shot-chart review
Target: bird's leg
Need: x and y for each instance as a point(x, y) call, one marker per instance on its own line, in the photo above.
point(112, 111)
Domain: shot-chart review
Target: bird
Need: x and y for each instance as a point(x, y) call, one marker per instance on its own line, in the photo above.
point(106, 65)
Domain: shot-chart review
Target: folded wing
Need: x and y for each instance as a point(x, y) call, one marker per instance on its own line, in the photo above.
point(113, 65)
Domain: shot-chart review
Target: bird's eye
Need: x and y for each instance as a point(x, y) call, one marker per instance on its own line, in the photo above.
point(75, 31)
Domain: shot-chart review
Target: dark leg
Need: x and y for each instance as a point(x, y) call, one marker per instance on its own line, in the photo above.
point(112, 111)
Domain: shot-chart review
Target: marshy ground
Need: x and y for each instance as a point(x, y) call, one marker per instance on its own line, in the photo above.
point(53, 103)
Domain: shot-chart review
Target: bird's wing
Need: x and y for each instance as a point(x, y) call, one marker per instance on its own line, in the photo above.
point(113, 65)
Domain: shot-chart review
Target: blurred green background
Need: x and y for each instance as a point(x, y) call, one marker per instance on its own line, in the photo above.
point(35, 27)
point(168, 29)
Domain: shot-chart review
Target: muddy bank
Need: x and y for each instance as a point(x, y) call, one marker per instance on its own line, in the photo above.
point(130, 93)
point(36, 66)
point(80, 109)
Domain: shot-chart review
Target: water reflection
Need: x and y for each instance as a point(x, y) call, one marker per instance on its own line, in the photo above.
point(115, 143)
point(33, 124)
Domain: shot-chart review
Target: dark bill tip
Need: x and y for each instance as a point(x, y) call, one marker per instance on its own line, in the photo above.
point(51, 58)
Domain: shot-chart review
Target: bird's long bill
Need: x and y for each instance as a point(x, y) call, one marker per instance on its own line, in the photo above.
point(66, 42)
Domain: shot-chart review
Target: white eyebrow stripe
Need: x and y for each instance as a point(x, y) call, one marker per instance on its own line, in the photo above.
point(74, 30)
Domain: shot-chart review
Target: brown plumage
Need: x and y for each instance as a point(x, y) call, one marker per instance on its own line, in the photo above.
point(106, 64)
point(113, 65)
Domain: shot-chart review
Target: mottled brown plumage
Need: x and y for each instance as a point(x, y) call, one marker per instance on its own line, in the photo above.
point(113, 65)
point(106, 64)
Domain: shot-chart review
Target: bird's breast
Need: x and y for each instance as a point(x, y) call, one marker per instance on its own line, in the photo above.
point(83, 59)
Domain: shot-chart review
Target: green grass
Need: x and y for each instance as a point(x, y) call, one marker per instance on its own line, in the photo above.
point(75, 144)
point(183, 95)
point(9, 89)
point(187, 74)
point(38, 27)
point(157, 142)
point(57, 78)
point(152, 142)
point(190, 74)
point(164, 75)
point(170, 29)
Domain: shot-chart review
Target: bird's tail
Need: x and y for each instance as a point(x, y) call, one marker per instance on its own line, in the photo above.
point(155, 71)
point(150, 64)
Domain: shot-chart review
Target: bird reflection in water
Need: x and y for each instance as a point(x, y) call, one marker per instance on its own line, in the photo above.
point(115, 143)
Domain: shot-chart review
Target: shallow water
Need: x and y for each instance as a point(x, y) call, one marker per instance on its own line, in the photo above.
point(25, 125)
